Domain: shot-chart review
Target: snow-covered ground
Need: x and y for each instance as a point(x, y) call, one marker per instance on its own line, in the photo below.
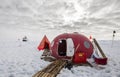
point(19, 59)
point(22, 59)
point(36, 18)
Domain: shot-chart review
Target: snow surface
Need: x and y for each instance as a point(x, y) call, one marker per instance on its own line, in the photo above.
point(22, 59)
point(36, 18)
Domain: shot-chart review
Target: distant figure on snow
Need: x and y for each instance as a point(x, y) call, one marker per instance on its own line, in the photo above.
point(24, 39)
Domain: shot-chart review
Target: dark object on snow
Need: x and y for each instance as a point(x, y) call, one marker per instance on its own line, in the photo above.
point(25, 39)
point(114, 33)
point(69, 65)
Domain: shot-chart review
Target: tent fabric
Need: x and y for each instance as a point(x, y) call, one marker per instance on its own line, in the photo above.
point(79, 57)
point(44, 44)
point(101, 61)
point(70, 47)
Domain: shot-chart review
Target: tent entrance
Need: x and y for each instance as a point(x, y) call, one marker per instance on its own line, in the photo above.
point(66, 47)
point(62, 47)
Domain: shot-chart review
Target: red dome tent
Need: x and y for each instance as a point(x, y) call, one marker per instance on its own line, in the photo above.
point(74, 45)
point(71, 46)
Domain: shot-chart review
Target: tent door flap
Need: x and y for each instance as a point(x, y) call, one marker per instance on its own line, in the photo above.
point(70, 47)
